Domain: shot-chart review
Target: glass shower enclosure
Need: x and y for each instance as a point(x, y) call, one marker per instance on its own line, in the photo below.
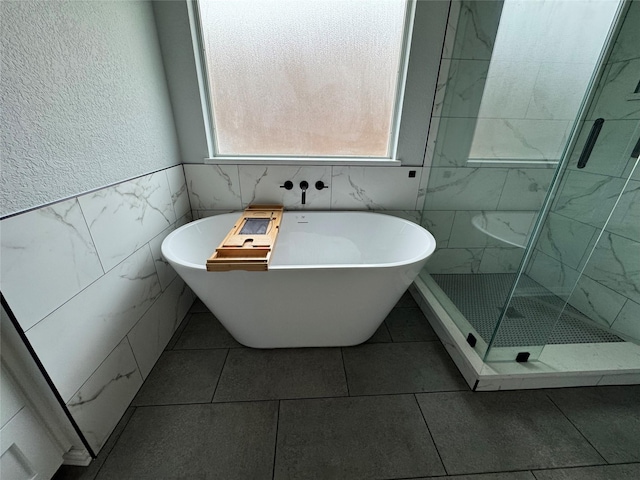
point(534, 188)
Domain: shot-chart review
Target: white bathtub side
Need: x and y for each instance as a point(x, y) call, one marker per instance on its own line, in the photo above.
point(301, 307)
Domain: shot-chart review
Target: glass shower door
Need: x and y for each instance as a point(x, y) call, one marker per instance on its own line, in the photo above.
point(581, 280)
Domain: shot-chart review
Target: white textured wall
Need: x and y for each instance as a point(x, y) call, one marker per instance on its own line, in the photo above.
point(84, 99)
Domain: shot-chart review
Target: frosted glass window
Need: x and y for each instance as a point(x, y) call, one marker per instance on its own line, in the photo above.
point(303, 78)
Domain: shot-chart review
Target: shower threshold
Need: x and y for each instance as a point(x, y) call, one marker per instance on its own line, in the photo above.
point(607, 362)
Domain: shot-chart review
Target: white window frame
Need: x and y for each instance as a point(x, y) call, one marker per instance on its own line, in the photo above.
point(207, 112)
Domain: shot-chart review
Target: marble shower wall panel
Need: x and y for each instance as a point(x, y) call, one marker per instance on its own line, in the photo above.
point(150, 335)
point(166, 273)
point(100, 403)
point(525, 188)
point(439, 223)
point(178, 190)
point(617, 100)
point(566, 240)
point(501, 260)
point(48, 255)
point(455, 260)
point(213, 187)
point(374, 188)
point(626, 46)
point(261, 184)
point(615, 263)
point(599, 303)
point(476, 30)
point(126, 216)
point(92, 323)
point(625, 220)
point(465, 188)
point(627, 321)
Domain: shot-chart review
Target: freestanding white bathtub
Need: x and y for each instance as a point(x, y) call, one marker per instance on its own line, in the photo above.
point(332, 280)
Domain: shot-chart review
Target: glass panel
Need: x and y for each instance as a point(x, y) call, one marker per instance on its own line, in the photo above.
point(581, 283)
point(303, 78)
point(502, 125)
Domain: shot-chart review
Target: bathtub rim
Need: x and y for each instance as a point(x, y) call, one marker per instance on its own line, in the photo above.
point(425, 255)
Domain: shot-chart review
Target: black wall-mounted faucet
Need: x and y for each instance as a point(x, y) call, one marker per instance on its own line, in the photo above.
point(304, 185)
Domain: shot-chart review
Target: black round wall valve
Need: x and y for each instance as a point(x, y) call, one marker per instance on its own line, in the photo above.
point(320, 185)
point(288, 185)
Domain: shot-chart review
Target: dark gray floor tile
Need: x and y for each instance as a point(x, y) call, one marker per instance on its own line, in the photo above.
point(198, 307)
point(204, 331)
point(176, 335)
point(226, 441)
point(409, 325)
point(71, 472)
point(354, 438)
point(406, 301)
point(498, 431)
point(604, 472)
point(381, 335)
point(251, 374)
point(400, 368)
point(608, 416)
point(182, 376)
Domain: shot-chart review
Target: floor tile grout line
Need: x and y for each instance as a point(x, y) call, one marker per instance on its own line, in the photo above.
point(275, 443)
point(293, 399)
point(576, 427)
point(108, 453)
point(219, 376)
point(435, 445)
point(344, 369)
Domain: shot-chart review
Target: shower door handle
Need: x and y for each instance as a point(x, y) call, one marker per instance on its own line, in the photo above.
point(591, 141)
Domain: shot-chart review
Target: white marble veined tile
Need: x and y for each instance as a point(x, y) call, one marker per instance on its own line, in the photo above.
point(599, 303)
point(565, 239)
point(166, 273)
point(178, 189)
point(422, 188)
point(153, 331)
point(525, 188)
point(463, 88)
point(519, 139)
point(464, 188)
point(92, 323)
point(556, 277)
point(625, 220)
point(432, 138)
point(124, 217)
point(501, 260)
point(439, 223)
point(374, 188)
point(588, 197)
point(452, 27)
point(261, 184)
point(507, 95)
point(621, 80)
point(47, 257)
point(626, 46)
point(628, 320)
point(102, 400)
point(615, 263)
point(476, 29)
point(213, 187)
point(453, 144)
point(442, 83)
point(558, 90)
point(455, 260)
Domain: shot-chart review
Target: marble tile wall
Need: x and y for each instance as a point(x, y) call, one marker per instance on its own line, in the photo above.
point(594, 224)
point(222, 188)
point(87, 282)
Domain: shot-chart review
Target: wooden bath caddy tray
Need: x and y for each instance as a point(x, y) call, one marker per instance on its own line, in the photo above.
point(249, 244)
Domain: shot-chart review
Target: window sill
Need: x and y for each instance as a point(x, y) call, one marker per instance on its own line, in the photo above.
point(328, 161)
